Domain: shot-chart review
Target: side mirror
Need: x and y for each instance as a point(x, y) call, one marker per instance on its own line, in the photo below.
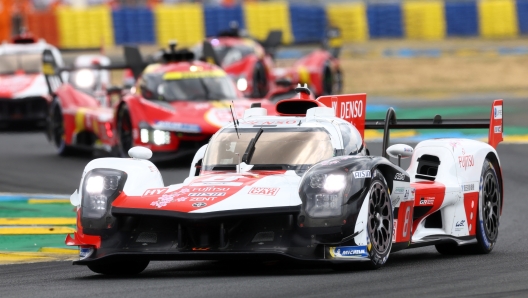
point(400, 151)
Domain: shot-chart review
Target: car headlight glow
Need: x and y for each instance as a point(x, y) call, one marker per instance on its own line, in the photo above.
point(334, 183)
point(95, 184)
point(144, 135)
point(160, 137)
point(101, 187)
point(84, 79)
point(242, 84)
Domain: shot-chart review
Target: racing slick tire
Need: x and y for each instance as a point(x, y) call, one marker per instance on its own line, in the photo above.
point(379, 227)
point(124, 131)
point(379, 222)
point(128, 267)
point(260, 81)
point(332, 81)
point(487, 218)
point(56, 131)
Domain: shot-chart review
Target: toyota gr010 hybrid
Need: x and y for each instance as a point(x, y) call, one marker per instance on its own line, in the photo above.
point(300, 185)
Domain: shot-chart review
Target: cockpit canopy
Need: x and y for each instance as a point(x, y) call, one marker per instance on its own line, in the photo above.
point(277, 148)
point(177, 86)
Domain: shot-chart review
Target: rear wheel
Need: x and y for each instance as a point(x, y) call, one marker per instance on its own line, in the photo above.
point(260, 81)
point(56, 131)
point(380, 221)
point(488, 216)
point(124, 131)
point(328, 80)
point(128, 267)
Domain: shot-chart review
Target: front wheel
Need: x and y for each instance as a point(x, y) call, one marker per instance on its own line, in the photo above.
point(56, 131)
point(124, 131)
point(128, 267)
point(380, 222)
point(259, 81)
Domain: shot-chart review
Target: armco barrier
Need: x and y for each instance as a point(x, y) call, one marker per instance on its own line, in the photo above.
point(218, 18)
point(190, 23)
point(461, 18)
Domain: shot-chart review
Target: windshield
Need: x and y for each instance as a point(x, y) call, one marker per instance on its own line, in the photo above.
point(228, 55)
point(29, 63)
point(188, 86)
point(273, 149)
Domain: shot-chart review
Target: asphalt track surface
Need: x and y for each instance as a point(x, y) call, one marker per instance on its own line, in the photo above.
point(28, 164)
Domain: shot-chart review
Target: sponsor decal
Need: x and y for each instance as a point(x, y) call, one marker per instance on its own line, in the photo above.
point(167, 198)
point(399, 176)
point(350, 109)
point(206, 194)
point(427, 201)
point(405, 149)
point(466, 161)
point(406, 196)
point(85, 252)
point(206, 189)
point(154, 191)
point(399, 190)
point(202, 199)
point(361, 174)
point(497, 112)
point(497, 129)
point(266, 191)
point(199, 205)
point(394, 229)
point(349, 252)
point(177, 126)
point(468, 187)
point(212, 183)
point(396, 201)
point(460, 225)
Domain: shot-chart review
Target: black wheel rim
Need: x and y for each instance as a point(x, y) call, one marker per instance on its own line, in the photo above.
point(490, 205)
point(125, 132)
point(380, 218)
point(57, 127)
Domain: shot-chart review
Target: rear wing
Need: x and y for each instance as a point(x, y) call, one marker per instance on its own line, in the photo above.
point(494, 124)
point(351, 107)
point(51, 70)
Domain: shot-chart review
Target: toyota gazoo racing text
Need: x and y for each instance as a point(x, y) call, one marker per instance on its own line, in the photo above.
point(300, 185)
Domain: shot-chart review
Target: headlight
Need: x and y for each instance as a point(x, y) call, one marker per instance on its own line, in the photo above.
point(84, 79)
point(100, 188)
point(242, 84)
point(326, 197)
point(156, 136)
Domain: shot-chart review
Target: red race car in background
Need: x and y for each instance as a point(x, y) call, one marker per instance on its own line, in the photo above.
point(23, 93)
point(251, 63)
point(173, 109)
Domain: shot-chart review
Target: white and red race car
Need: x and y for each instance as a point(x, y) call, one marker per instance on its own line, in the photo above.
point(301, 186)
point(23, 90)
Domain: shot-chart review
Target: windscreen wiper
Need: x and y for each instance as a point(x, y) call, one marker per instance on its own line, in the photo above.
point(251, 147)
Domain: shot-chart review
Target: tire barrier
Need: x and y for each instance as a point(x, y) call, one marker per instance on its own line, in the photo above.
point(190, 23)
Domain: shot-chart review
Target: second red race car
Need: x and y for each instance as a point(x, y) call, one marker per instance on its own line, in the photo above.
point(251, 64)
point(173, 109)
